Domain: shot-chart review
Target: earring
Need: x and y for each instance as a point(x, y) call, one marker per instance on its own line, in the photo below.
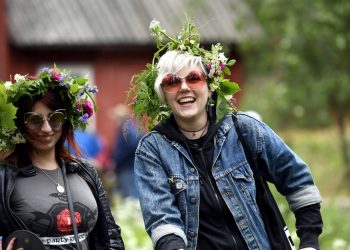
point(210, 104)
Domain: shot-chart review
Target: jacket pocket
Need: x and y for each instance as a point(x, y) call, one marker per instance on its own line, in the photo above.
point(177, 184)
point(178, 187)
point(244, 183)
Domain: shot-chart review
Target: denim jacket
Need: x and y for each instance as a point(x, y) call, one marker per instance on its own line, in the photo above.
point(169, 188)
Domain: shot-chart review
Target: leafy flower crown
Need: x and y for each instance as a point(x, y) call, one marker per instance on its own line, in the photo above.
point(142, 96)
point(76, 94)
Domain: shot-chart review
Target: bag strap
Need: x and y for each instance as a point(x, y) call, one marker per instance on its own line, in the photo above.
point(262, 185)
point(247, 152)
point(71, 207)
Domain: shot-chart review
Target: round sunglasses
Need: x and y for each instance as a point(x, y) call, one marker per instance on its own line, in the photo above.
point(35, 121)
point(172, 83)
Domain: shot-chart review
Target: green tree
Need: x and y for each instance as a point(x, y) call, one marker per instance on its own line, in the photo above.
point(305, 47)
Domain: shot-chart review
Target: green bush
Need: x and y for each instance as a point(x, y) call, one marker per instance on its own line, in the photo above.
point(277, 106)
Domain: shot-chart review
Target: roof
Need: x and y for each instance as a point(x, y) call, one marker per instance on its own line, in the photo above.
point(123, 22)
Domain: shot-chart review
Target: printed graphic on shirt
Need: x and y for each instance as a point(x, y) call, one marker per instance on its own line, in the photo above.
point(63, 240)
point(64, 221)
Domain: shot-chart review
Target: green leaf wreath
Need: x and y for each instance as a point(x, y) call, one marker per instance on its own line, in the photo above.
point(9, 135)
point(74, 91)
point(143, 98)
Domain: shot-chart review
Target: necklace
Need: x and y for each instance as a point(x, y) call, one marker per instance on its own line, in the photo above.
point(195, 131)
point(59, 188)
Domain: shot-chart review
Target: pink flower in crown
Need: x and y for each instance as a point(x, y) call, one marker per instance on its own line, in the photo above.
point(222, 65)
point(87, 106)
point(56, 76)
point(208, 67)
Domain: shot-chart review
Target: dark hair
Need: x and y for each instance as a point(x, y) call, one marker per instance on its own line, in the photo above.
point(54, 101)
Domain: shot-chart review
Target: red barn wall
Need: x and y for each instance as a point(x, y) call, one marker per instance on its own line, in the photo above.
point(4, 47)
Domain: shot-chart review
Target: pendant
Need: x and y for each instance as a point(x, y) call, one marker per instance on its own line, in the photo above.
point(59, 188)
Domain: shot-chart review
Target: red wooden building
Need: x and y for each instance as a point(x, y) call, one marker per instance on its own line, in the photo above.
point(109, 39)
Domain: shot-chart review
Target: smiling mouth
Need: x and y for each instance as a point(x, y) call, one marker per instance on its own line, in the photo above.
point(45, 138)
point(186, 100)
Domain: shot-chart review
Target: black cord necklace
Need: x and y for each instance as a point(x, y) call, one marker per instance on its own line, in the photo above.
point(195, 131)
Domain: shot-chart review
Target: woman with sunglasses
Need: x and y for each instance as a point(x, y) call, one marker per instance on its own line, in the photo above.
point(196, 186)
point(42, 186)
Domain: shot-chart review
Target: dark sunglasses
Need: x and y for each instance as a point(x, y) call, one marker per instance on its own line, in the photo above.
point(55, 119)
point(194, 80)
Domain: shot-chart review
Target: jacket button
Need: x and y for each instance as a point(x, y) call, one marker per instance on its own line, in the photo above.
point(191, 234)
point(178, 185)
point(192, 170)
point(193, 199)
point(242, 224)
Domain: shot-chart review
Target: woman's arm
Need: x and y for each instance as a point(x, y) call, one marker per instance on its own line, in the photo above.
point(292, 178)
point(161, 215)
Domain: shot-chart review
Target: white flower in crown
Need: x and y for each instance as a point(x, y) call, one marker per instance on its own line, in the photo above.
point(18, 138)
point(154, 25)
point(222, 58)
point(7, 84)
point(214, 85)
point(19, 78)
point(182, 47)
point(155, 28)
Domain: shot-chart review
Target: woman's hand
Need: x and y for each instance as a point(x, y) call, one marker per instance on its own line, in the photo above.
point(10, 245)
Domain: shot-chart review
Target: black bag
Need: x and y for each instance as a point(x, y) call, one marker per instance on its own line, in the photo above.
point(275, 225)
point(25, 239)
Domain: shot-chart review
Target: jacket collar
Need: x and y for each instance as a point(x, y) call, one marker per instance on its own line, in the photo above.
point(29, 169)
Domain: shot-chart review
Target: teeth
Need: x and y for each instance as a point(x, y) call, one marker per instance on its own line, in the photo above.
point(187, 99)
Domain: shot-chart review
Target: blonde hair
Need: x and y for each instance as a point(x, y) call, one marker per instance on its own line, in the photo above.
point(174, 61)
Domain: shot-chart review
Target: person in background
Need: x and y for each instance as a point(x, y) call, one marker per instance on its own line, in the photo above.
point(123, 155)
point(93, 149)
point(89, 143)
point(42, 185)
point(196, 187)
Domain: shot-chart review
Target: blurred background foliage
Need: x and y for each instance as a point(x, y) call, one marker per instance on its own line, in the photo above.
point(299, 66)
point(302, 58)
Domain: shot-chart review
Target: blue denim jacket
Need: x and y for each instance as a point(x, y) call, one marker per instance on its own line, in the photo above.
point(169, 188)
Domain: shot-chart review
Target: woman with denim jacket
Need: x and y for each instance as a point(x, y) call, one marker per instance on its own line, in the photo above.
point(196, 187)
point(42, 185)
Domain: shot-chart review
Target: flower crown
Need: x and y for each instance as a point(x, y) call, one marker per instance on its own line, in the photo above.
point(74, 91)
point(142, 95)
